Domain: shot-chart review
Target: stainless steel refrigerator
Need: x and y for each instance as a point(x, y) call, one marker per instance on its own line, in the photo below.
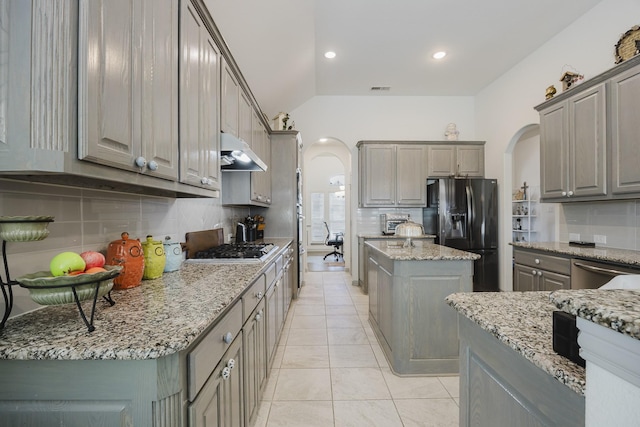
point(463, 214)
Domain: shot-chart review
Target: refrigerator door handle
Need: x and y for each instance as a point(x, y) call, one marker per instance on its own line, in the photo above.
point(470, 211)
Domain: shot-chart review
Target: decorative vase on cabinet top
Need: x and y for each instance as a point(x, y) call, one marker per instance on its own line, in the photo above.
point(154, 258)
point(128, 254)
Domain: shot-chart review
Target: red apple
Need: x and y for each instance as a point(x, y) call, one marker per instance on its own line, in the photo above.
point(93, 259)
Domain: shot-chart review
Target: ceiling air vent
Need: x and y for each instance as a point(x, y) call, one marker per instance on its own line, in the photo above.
point(380, 88)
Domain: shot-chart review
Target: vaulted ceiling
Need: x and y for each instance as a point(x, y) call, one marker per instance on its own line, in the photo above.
point(280, 44)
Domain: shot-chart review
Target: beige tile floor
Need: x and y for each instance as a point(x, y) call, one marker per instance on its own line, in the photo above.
point(329, 369)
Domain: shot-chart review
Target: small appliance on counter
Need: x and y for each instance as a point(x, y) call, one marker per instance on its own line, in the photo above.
point(389, 222)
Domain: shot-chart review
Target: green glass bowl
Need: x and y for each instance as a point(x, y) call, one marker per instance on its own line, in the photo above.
point(24, 228)
point(48, 290)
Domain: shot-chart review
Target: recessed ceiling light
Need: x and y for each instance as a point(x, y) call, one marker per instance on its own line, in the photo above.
point(323, 140)
point(330, 55)
point(439, 55)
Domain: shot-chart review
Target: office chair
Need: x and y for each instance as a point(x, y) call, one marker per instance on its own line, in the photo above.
point(336, 242)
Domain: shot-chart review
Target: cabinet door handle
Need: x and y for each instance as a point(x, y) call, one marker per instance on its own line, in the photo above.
point(259, 316)
point(564, 193)
point(141, 162)
point(226, 373)
point(231, 364)
point(259, 295)
point(153, 165)
point(539, 273)
point(537, 261)
point(570, 193)
point(227, 338)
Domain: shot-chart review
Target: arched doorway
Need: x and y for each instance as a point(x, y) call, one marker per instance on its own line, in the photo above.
point(522, 165)
point(327, 197)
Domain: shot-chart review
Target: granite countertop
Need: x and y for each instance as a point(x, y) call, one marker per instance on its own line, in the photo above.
point(524, 322)
point(621, 256)
point(421, 251)
point(612, 308)
point(157, 318)
point(393, 236)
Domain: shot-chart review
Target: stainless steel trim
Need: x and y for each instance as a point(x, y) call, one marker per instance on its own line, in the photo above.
point(601, 270)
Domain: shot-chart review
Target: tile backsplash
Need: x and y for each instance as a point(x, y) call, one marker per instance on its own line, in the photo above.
point(87, 219)
point(618, 221)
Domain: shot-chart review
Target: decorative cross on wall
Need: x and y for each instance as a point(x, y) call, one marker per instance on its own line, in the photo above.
point(524, 189)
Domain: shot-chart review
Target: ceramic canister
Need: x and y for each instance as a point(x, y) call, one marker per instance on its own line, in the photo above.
point(173, 252)
point(154, 258)
point(128, 254)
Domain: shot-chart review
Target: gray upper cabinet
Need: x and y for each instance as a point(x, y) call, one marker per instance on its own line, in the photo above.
point(245, 119)
point(230, 100)
point(589, 137)
point(392, 174)
point(625, 132)
point(573, 146)
point(455, 160)
point(128, 88)
point(199, 100)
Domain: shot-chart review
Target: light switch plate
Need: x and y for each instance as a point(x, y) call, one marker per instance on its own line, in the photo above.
point(600, 238)
point(574, 237)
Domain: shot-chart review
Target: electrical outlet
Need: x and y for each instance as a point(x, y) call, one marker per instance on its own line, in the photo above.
point(600, 238)
point(574, 237)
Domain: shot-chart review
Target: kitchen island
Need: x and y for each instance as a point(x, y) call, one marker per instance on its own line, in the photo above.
point(509, 373)
point(609, 339)
point(407, 287)
point(144, 362)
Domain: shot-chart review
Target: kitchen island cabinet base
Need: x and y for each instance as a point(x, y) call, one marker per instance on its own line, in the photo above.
point(499, 387)
point(92, 392)
point(408, 314)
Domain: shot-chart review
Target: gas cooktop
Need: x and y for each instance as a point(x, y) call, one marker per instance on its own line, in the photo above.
point(235, 253)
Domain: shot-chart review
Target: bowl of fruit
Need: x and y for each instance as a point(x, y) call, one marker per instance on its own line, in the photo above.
point(83, 273)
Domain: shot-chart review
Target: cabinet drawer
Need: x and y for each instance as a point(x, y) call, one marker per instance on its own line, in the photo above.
point(202, 359)
point(252, 297)
point(544, 262)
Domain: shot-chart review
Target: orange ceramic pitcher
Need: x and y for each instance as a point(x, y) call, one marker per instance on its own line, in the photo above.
point(127, 253)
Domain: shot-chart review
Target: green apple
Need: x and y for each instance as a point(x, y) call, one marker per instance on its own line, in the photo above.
point(65, 263)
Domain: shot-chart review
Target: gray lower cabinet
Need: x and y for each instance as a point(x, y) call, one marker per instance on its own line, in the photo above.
point(535, 271)
point(220, 402)
point(255, 359)
point(499, 387)
point(363, 256)
point(416, 329)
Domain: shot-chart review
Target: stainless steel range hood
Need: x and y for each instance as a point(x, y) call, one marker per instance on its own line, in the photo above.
point(236, 155)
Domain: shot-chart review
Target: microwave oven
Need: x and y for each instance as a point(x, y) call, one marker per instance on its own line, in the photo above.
point(389, 222)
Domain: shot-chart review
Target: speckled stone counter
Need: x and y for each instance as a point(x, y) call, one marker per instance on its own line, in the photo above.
point(614, 309)
point(522, 321)
point(158, 318)
point(421, 251)
point(621, 256)
point(392, 236)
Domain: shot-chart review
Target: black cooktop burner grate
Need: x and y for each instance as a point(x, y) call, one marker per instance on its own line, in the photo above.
point(236, 250)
